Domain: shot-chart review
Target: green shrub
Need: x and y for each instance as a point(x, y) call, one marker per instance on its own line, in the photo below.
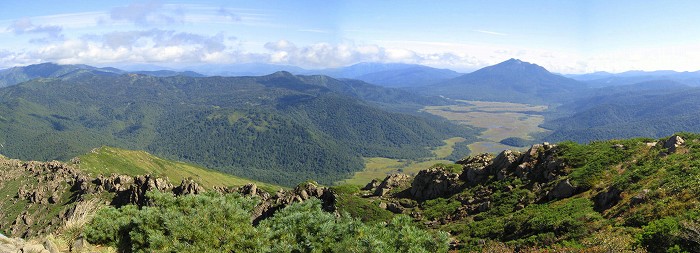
point(216, 223)
point(538, 224)
point(193, 223)
point(590, 161)
point(660, 235)
point(452, 168)
point(440, 207)
point(346, 189)
point(305, 227)
point(362, 209)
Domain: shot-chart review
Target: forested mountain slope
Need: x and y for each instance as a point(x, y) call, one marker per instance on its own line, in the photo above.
point(277, 128)
point(654, 113)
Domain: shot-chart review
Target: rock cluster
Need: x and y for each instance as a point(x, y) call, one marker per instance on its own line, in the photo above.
point(672, 144)
point(270, 203)
point(54, 185)
point(12, 245)
point(393, 181)
point(434, 183)
point(60, 184)
point(539, 167)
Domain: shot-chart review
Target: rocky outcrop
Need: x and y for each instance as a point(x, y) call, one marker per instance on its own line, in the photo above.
point(188, 187)
point(475, 171)
point(606, 199)
point(640, 197)
point(60, 185)
point(563, 189)
point(393, 181)
point(537, 164)
point(270, 203)
point(11, 245)
point(434, 183)
point(673, 143)
point(540, 164)
point(371, 185)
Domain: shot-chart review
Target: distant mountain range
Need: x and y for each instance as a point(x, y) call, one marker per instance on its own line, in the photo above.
point(302, 127)
point(509, 81)
point(576, 100)
point(15, 75)
point(604, 79)
point(642, 113)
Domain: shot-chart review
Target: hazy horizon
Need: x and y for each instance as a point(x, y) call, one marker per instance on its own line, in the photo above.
point(564, 37)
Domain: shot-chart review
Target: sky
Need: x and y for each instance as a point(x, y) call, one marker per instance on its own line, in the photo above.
point(568, 36)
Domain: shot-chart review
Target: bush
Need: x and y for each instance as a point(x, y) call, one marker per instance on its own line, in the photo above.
point(306, 228)
point(362, 209)
point(440, 207)
point(216, 223)
point(538, 224)
point(452, 168)
point(194, 223)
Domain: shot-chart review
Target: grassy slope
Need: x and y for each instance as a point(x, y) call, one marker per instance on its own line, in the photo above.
point(108, 160)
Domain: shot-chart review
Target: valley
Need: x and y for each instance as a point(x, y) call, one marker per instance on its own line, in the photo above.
point(500, 119)
point(349, 126)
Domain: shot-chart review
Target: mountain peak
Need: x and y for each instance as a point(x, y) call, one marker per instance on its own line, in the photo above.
point(281, 73)
point(514, 61)
point(516, 65)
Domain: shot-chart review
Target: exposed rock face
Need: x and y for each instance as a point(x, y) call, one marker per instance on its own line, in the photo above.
point(390, 182)
point(607, 199)
point(269, 204)
point(19, 245)
point(563, 189)
point(538, 164)
point(641, 197)
point(61, 184)
point(474, 168)
point(673, 143)
point(188, 187)
point(371, 185)
point(434, 183)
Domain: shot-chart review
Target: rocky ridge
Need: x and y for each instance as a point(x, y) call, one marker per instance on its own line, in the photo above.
point(43, 196)
point(540, 169)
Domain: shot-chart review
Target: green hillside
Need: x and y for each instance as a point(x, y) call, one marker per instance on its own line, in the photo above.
point(108, 160)
point(639, 113)
point(279, 128)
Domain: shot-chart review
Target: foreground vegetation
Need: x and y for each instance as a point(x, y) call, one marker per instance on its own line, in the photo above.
point(216, 223)
point(633, 195)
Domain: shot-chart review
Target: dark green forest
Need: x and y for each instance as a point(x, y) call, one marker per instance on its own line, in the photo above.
point(303, 127)
point(646, 113)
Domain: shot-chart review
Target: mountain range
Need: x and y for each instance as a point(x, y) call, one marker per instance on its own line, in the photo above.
point(259, 127)
point(509, 81)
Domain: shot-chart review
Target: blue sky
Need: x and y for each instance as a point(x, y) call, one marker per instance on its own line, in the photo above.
point(563, 36)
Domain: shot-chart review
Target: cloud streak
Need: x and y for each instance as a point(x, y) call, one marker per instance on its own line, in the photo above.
point(490, 32)
point(25, 26)
point(150, 13)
